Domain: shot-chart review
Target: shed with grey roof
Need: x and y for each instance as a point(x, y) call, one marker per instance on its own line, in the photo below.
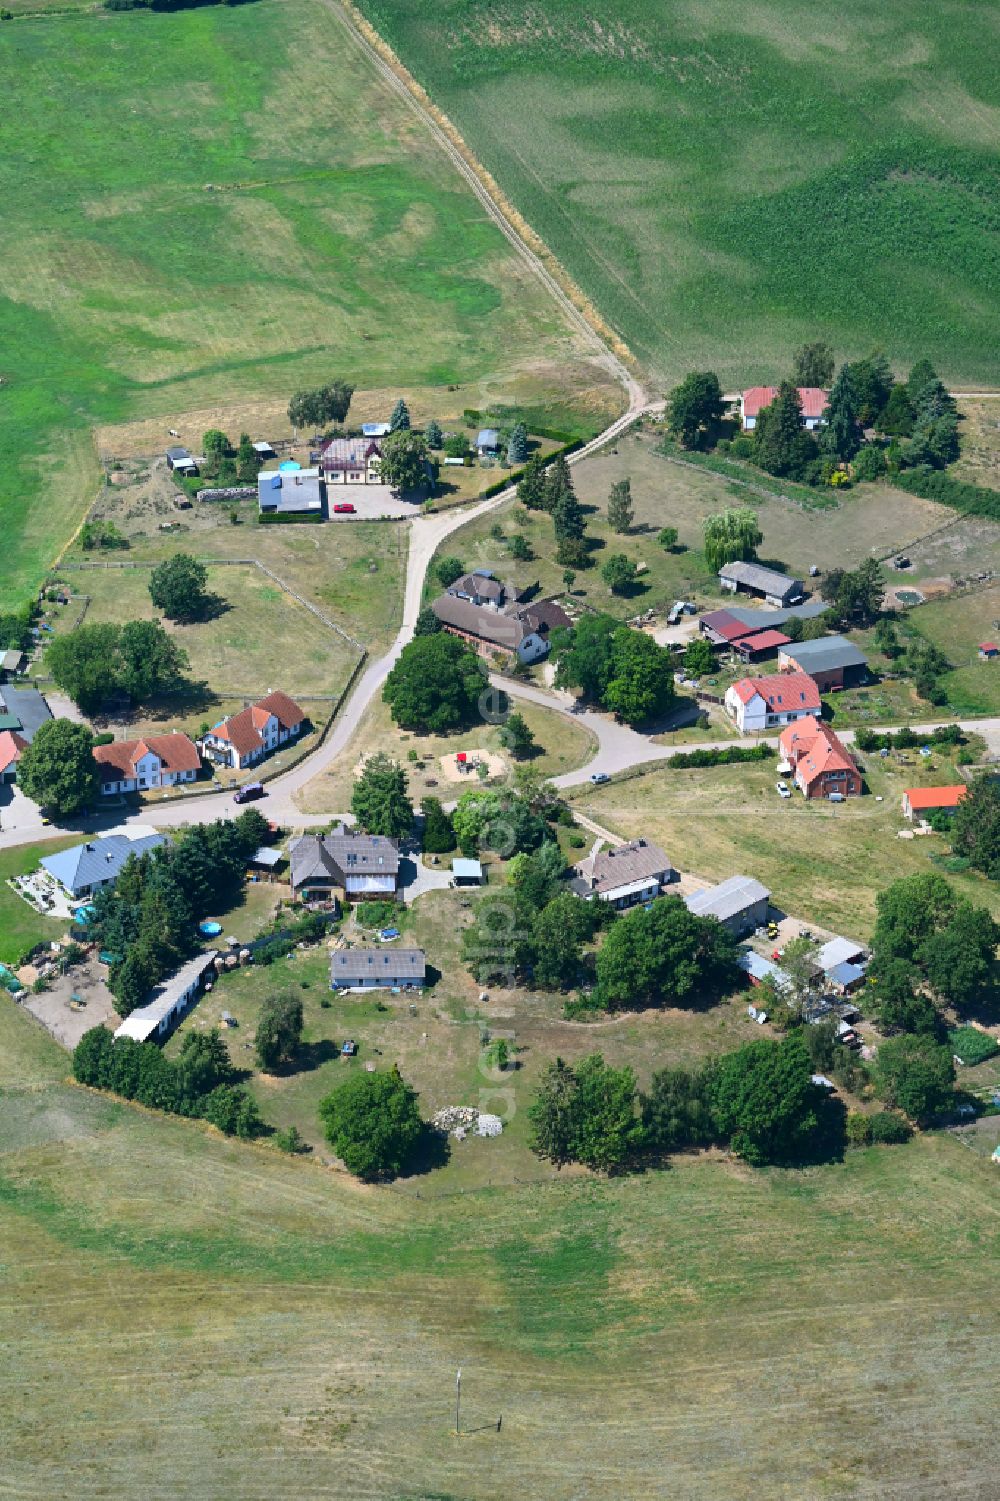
point(754, 578)
point(377, 969)
point(839, 951)
point(740, 904)
point(169, 1001)
point(488, 440)
point(754, 618)
point(180, 460)
point(832, 661)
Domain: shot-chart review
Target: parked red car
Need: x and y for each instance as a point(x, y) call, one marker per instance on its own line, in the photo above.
point(345, 508)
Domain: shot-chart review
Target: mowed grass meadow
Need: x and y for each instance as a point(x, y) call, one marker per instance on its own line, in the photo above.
point(186, 1316)
point(216, 204)
point(724, 181)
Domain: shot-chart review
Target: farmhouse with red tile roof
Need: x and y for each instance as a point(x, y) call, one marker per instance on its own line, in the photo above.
point(820, 762)
point(155, 761)
point(763, 703)
point(255, 732)
point(813, 400)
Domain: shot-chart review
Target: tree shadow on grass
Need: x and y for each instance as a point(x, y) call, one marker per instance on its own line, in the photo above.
point(212, 607)
point(433, 1150)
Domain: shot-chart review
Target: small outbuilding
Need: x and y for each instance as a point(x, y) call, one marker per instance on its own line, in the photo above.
point(753, 578)
point(739, 904)
point(988, 650)
point(180, 461)
point(467, 872)
point(488, 441)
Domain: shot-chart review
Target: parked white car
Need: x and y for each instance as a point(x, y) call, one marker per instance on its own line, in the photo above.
point(782, 789)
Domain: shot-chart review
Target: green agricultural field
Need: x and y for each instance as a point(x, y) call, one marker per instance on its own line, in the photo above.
point(957, 626)
point(187, 1315)
point(177, 237)
point(726, 181)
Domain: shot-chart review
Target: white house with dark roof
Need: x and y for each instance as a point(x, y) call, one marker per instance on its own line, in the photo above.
point(351, 461)
point(388, 968)
point(353, 867)
point(624, 875)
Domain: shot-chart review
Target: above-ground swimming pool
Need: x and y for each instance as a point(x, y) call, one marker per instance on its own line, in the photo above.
point(909, 596)
point(209, 929)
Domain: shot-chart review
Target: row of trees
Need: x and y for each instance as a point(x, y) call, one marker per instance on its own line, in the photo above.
point(612, 665)
point(201, 1082)
point(148, 919)
point(98, 663)
point(759, 1101)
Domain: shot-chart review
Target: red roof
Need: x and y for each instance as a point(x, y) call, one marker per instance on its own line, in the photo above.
point(11, 746)
point(813, 400)
point(813, 749)
point(726, 625)
point(120, 760)
point(285, 710)
point(935, 797)
point(761, 641)
point(243, 729)
point(782, 692)
point(989, 646)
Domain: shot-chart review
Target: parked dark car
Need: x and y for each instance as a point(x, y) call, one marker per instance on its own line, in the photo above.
point(248, 793)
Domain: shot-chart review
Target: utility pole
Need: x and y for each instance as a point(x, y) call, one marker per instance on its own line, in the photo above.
point(458, 1399)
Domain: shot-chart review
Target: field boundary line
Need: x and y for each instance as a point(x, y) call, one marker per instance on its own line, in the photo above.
point(107, 563)
point(525, 240)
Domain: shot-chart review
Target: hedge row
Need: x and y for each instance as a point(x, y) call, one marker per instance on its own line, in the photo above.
point(731, 755)
point(906, 739)
point(934, 484)
point(514, 475)
point(289, 518)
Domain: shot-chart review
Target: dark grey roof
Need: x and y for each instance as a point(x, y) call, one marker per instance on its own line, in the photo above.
point(178, 455)
point(728, 899)
point(348, 966)
point(29, 706)
point(767, 580)
point(764, 618)
point(480, 586)
point(479, 620)
point(825, 653)
point(333, 857)
point(623, 865)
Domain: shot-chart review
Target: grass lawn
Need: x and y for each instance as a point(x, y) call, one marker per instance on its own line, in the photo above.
point(866, 520)
point(725, 184)
point(980, 460)
point(206, 1314)
point(21, 927)
point(257, 638)
point(957, 626)
point(821, 862)
point(562, 744)
point(227, 250)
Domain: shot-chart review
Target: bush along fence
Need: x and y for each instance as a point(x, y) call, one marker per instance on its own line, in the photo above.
point(933, 484)
point(731, 755)
point(513, 476)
